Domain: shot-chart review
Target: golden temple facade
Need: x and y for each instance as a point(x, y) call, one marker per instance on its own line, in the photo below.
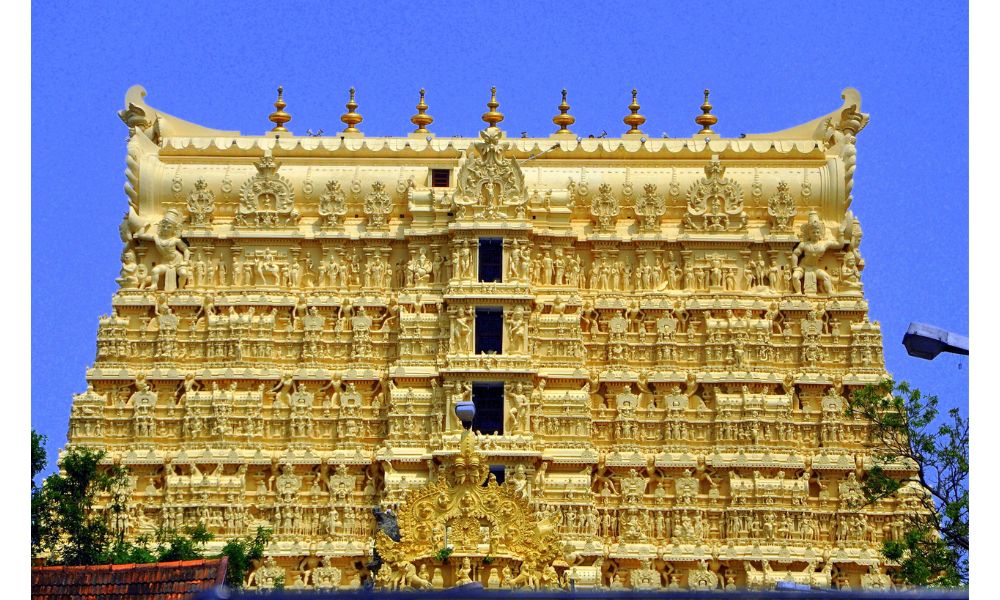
point(658, 336)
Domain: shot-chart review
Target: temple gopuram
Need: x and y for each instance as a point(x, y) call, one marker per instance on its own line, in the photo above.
point(658, 337)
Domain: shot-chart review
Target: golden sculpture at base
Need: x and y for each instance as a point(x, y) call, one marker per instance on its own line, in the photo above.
point(658, 335)
point(458, 511)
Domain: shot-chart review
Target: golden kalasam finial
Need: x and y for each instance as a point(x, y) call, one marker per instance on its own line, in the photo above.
point(707, 119)
point(634, 120)
point(421, 119)
point(563, 119)
point(280, 117)
point(493, 117)
point(351, 118)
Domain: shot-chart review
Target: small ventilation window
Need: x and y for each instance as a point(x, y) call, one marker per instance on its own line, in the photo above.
point(441, 178)
point(498, 471)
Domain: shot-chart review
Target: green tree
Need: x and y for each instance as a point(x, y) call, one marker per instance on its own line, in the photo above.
point(242, 553)
point(905, 428)
point(38, 462)
point(69, 530)
point(38, 456)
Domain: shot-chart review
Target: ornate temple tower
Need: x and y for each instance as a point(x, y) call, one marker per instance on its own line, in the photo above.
point(658, 336)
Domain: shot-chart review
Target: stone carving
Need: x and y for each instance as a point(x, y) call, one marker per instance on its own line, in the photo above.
point(377, 207)
point(172, 268)
point(649, 209)
point(333, 206)
point(266, 199)
point(700, 578)
point(664, 396)
point(201, 204)
point(605, 208)
point(781, 207)
point(808, 277)
point(490, 184)
point(715, 202)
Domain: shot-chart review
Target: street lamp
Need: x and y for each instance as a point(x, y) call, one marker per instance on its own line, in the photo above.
point(926, 341)
point(465, 410)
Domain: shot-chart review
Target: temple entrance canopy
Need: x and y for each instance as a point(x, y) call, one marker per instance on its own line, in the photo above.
point(467, 511)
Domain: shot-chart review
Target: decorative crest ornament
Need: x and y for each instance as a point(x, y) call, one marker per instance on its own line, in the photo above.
point(605, 208)
point(563, 119)
point(490, 182)
point(706, 119)
point(377, 206)
point(649, 209)
point(634, 119)
point(492, 117)
point(266, 199)
point(781, 207)
point(715, 203)
point(201, 204)
point(467, 511)
point(421, 119)
point(279, 117)
point(333, 206)
point(351, 118)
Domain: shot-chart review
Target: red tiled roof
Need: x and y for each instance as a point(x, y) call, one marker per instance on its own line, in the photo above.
point(162, 581)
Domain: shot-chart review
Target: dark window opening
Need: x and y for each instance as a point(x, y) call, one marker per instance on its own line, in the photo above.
point(491, 259)
point(489, 330)
point(499, 471)
point(488, 398)
point(441, 178)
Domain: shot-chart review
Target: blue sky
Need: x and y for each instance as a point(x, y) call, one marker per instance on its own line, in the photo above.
point(769, 66)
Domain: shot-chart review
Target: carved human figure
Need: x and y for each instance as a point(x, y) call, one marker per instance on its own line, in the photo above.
point(807, 274)
point(461, 331)
point(517, 330)
point(172, 270)
point(518, 408)
point(128, 277)
point(464, 572)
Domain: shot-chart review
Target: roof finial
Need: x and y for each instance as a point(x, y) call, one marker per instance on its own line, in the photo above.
point(421, 119)
point(564, 119)
point(280, 117)
point(634, 120)
point(493, 117)
point(707, 119)
point(351, 118)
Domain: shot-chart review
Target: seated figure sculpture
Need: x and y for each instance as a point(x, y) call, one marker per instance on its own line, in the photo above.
point(807, 274)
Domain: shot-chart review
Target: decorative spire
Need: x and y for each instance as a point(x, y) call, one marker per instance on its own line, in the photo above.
point(634, 120)
point(351, 118)
point(564, 119)
point(421, 119)
point(707, 119)
point(493, 117)
point(280, 117)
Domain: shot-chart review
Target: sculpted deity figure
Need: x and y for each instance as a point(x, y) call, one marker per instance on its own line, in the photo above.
point(807, 275)
point(518, 408)
point(517, 330)
point(128, 277)
point(461, 330)
point(464, 573)
point(172, 270)
point(333, 205)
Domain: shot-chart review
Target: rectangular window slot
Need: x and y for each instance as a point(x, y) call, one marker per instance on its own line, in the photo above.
point(489, 330)
point(488, 397)
point(499, 471)
point(440, 178)
point(490, 259)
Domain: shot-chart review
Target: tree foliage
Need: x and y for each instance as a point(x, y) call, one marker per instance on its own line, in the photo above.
point(905, 427)
point(38, 462)
point(242, 553)
point(65, 526)
point(68, 529)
